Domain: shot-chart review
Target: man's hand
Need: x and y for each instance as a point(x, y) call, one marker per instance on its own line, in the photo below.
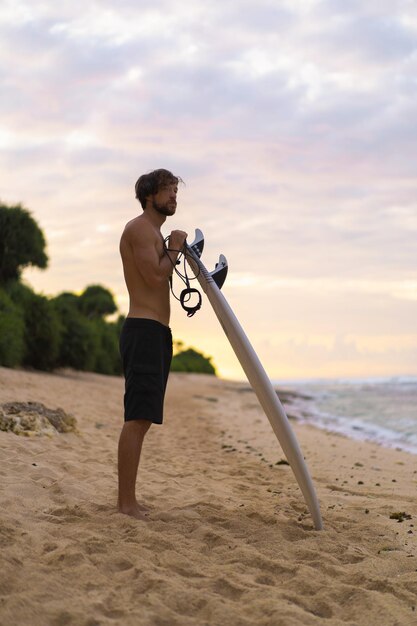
point(177, 239)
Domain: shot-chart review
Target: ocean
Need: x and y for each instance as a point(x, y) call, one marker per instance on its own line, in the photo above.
point(380, 410)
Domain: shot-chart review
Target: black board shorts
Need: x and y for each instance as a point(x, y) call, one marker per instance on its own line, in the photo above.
point(146, 351)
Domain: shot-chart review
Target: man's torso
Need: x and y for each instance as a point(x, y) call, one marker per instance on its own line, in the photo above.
point(148, 299)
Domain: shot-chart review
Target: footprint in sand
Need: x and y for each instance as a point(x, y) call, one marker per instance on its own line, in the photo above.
point(265, 580)
point(224, 588)
point(120, 565)
point(65, 514)
point(49, 547)
point(65, 558)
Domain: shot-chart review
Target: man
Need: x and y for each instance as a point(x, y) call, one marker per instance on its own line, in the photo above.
point(146, 341)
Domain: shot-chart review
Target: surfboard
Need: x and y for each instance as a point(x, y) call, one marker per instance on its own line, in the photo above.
point(211, 283)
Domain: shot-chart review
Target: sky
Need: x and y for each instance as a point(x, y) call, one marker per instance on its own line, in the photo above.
point(293, 124)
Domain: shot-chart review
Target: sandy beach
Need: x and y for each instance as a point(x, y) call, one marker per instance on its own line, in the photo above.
point(229, 539)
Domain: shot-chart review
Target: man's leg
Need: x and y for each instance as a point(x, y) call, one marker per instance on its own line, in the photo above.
point(130, 446)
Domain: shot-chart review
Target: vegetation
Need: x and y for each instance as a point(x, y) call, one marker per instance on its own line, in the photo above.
point(68, 330)
point(22, 242)
point(12, 330)
point(192, 361)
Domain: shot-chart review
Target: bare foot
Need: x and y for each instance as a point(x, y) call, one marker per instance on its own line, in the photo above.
point(144, 507)
point(135, 505)
point(135, 511)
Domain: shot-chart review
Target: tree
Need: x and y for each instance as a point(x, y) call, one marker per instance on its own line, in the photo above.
point(22, 242)
point(96, 302)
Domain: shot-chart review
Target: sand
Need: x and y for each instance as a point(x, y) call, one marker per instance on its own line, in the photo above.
point(229, 540)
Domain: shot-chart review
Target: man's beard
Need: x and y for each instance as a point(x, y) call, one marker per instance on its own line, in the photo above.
point(164, 209)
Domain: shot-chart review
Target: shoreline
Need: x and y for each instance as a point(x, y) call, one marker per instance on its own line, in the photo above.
point(298, 406)
point(229, 537)
point(294, 401)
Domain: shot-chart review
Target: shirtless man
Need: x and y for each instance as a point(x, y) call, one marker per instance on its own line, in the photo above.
point(146, 341)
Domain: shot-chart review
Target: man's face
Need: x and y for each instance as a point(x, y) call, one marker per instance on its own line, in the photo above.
point(165, 201)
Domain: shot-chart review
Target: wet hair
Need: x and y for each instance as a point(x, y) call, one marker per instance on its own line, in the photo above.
point(149, 184)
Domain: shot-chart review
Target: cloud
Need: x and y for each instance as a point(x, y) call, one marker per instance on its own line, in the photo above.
point(291, 123)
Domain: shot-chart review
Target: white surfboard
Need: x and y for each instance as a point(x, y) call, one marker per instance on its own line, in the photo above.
point(254, 371)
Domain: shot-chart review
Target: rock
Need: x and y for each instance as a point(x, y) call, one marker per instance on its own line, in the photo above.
point(34, 418)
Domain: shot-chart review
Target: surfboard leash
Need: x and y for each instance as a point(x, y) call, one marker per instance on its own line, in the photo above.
point(187, 293)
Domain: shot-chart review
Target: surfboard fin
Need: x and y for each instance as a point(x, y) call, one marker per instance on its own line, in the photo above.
point(220, 271)
point(198, 243)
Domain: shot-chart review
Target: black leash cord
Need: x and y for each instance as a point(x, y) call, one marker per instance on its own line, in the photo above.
point(186, 293)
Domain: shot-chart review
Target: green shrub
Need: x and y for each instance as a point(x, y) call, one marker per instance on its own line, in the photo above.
point(89, 343)
point(42, 327)
point(192, 361)
point(12, 329)
point(79, 344)
point(107, 359)
point(42, 334)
